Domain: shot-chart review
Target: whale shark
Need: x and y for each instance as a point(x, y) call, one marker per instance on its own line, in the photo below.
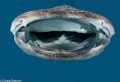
point(62, 33)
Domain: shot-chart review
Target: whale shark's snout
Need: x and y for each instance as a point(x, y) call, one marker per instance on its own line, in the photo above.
point(62, 33)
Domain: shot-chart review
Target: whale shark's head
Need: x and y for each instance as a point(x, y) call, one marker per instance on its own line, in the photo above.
point(62, 33)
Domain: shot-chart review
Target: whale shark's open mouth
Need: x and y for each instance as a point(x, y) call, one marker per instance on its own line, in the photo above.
point(61, 33)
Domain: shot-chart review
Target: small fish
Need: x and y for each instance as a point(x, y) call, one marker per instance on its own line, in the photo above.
point(62, 33)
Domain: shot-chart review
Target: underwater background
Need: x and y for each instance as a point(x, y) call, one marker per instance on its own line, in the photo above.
point(17, 65)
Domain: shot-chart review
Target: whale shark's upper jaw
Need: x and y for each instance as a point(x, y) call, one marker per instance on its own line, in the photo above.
point(62, 33)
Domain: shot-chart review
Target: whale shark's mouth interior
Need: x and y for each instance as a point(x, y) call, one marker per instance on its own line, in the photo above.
point(61, 33)
point(52, 36)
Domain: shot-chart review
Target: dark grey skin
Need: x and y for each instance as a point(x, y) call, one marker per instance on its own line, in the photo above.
point(62, 33)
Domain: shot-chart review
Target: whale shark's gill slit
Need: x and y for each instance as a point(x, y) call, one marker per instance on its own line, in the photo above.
point(47, 37)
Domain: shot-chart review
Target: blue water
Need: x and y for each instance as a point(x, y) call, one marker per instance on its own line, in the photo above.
point(15, 64)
